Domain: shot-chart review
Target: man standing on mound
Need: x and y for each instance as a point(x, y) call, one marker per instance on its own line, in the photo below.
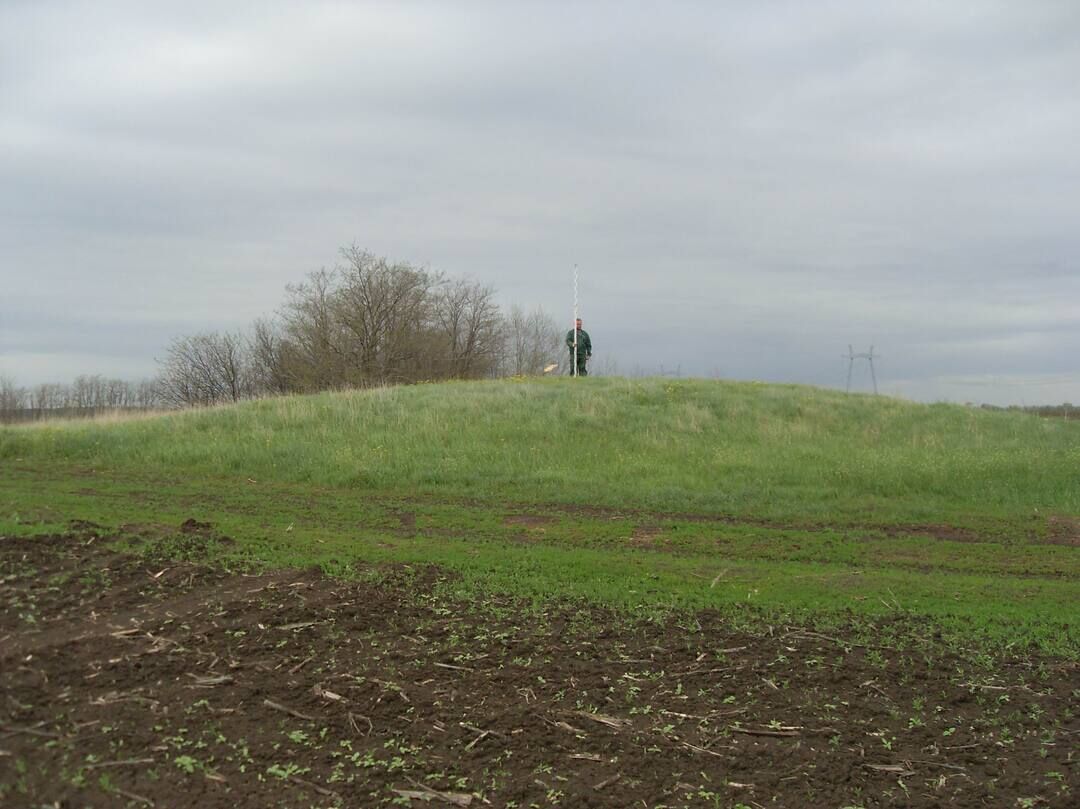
point(584, 349)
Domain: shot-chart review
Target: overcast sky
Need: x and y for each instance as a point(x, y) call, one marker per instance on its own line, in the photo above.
point(747, 187)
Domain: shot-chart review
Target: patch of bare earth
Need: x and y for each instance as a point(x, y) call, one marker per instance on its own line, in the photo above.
point(140, 681)
point(1063, 531)
point(529, 520)
point(648, 535)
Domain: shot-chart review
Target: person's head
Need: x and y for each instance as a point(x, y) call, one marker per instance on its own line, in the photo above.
point(577, 323)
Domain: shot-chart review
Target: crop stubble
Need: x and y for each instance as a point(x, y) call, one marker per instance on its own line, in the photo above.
point(131, 680)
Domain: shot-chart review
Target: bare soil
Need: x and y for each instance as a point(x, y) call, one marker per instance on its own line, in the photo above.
point(155, 681)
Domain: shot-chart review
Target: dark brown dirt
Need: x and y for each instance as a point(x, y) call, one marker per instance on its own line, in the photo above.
point(649, 536)
point(1063, 531)
point(1059, 530)
point(529, 520)
point(147, 681)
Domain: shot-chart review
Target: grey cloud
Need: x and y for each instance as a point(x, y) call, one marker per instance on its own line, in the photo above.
point(748, 187)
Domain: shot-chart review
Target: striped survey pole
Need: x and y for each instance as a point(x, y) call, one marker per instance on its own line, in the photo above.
point(574, 326)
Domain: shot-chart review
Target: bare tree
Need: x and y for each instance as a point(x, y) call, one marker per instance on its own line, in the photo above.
point(385, 310)
point(608, 366)
point(530, 342)
point(231, 367)
point(12, 397)
point(204, 369)
point(145, 394)
point(365, 322)
point(119, 394)
point(49, 396)
point(311, 352)
point(468, 324)
point(84, 392)
point(266, 350)
point(86, 395)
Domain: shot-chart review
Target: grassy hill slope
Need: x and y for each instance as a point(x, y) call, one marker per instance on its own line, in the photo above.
point(721, 447)
point(762, 500)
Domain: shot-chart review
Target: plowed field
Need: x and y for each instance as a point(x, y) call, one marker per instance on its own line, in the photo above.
point(147, 681)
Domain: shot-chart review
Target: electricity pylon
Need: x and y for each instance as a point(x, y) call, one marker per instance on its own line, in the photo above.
point(869, 356)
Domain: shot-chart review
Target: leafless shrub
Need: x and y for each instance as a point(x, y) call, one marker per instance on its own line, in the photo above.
point(205, 369)
point(530, 342)
point(267, 350)
point(12, 397)
point(467, 324)
point(372, 322)
point(368, 321)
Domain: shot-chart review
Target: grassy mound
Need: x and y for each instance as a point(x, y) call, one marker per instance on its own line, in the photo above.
point(770, 503)
point(772, 451)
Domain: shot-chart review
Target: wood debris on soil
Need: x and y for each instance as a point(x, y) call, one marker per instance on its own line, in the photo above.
point(358, 693)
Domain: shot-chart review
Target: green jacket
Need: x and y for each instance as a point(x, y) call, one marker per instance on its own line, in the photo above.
point(584, 344)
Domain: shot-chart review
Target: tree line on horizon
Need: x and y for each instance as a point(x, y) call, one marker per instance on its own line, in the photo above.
point(366, 322)
point(87, 393)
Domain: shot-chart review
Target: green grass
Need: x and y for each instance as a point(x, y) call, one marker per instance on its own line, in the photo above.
point(766, 450)
point(767, 500)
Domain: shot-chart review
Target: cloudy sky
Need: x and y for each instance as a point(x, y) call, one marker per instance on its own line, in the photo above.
point(747, 187)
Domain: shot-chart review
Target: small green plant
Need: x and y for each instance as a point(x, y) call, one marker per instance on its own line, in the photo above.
point(186, 764)
point(284, 771)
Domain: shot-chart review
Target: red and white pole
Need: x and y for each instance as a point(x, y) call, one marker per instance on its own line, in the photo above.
point(575, 371)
